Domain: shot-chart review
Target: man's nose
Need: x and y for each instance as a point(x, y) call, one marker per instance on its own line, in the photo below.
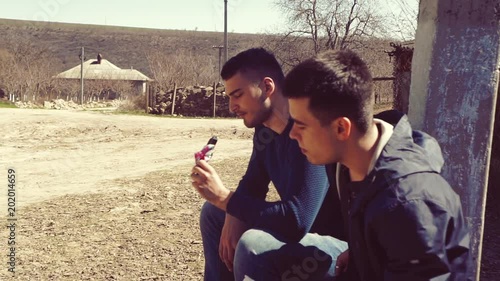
point(292, 133)
point(232, 107)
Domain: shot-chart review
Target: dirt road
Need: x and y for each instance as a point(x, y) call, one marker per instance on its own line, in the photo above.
point(66, 152)
point(104, 196)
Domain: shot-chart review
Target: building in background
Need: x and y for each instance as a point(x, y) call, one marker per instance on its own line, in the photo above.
point(102, 69)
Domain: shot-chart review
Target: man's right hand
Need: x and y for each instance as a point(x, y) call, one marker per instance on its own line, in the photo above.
point(231, 234)
point(342, 263)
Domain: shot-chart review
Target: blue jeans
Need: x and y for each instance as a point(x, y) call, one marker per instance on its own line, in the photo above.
point(260, 255)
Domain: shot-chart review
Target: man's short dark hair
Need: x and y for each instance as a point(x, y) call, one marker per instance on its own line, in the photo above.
point(255, 63)
point(338, 84)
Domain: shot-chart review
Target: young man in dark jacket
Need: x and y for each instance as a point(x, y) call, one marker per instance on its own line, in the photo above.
point(404, 221)
point(291, 239)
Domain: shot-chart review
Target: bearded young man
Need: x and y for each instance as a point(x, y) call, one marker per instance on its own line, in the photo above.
point(245, 237)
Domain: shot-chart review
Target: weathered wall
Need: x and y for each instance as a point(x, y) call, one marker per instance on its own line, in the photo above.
point(191, 101)
point(453, 94)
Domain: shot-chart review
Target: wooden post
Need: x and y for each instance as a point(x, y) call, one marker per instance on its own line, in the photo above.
point(152, 97)
point(82, 57)
point(148, 92)
point(173, 98)
point(453, 96)
point(215, 97)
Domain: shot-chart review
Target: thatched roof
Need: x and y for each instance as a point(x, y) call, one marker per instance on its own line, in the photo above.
point(103, 71)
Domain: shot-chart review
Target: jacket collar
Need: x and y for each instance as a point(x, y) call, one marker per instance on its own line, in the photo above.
point(406, 152)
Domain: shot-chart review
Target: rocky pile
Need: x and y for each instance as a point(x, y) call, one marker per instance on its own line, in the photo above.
point(28, 104)
point(191, 101)
point(61, 104)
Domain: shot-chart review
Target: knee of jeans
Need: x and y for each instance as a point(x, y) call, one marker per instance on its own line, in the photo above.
point(250, 243)
point(207, 214)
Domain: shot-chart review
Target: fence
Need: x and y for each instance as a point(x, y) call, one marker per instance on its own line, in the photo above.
point(383, 90)
point(200, 100)
point(390, 92)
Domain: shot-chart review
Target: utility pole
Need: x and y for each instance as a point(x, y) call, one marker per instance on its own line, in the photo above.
point(82, 58)
point(225, 31)
point(218, 76)
point(220, 55)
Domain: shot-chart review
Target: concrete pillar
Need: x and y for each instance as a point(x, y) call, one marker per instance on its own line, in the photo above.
point(453, 95)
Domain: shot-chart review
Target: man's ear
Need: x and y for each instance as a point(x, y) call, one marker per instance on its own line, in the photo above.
point(269, 86)
point(342, 128)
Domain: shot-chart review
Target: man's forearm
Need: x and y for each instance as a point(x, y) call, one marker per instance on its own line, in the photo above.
point(222, 200)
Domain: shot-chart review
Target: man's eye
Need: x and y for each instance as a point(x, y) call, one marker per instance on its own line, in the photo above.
point(237, 95)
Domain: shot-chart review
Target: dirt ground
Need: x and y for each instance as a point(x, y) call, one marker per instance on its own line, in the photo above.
point(102, 196)
point(108, 197)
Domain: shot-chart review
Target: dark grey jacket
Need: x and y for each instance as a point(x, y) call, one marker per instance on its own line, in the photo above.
point(406, 222)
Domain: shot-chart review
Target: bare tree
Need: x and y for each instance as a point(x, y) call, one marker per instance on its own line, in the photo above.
point(7, 81)
point(199, 70)
point(161, 68)
point(331, 24)
point(402, 18)
point(121, 88)
point(71, 88)
point(51, 89)
point(288, 49)
point(27, 69)
point(183, 68)
point(93, 89)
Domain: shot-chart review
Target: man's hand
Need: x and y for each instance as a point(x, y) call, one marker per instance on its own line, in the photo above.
point(342, 263)
point(208, 184)
point(231, 234)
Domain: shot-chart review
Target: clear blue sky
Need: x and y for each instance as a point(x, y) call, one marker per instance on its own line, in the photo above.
point(244, 16)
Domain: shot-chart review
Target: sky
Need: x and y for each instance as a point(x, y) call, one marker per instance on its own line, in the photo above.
point(244, 16)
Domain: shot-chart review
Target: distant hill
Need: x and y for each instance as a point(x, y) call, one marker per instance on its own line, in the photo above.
point(124, 46)
point(192, 58)
point(127, 47)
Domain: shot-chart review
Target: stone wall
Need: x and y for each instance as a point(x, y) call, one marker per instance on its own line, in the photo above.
point(190, 101)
